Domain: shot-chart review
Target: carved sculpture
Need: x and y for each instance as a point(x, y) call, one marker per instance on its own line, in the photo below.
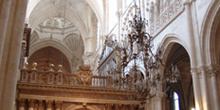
point(84, 75)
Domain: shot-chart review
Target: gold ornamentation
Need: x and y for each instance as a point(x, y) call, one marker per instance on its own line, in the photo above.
point(41, 107)
point(34, 66)
point(49, 104)
point(25, 65)
point(84, 75)
point(51, 67)
point(109, 106)
point(58, 104)
point(31, 103)
point(118, 106)
point(60, 68)
point(21, 102)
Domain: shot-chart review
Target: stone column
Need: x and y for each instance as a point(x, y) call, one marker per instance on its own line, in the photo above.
point(49, 104)
point(204, 90)
point(12, 49)
point(148, 104)
point(58, 105)
point(4, 17)
point(31, 103)
point(21, 104)
point(191, 38)
point(159, 99)
point(196, 90)
point(212, 71)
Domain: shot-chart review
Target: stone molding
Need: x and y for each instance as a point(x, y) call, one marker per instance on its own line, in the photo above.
point(79, 100)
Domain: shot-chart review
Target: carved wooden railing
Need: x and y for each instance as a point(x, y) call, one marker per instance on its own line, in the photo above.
point(82, 78)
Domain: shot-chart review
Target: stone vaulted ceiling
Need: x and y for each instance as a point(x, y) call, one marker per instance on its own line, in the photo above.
point(66, 25)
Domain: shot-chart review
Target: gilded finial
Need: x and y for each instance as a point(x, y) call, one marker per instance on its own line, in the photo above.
point(25, 65)
point(34, 65)
point(60, 68)
point(51, 67)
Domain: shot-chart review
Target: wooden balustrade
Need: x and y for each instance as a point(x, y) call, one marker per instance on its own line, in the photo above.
point(59, 78)
point(83, 78)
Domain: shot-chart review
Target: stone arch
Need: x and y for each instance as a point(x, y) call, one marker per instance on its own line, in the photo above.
point(209, 33)
point(97, 11)
point(178, 54)
point(169, 40)
point(79, 25)
point(51, 43)
point(92, 3)
point(75, 107)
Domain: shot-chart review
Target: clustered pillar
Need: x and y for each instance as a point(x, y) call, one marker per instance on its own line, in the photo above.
point(32, 104)
point(12, 17)
point(205, 87)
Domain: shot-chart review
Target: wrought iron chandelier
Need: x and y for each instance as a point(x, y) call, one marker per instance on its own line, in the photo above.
point(139, 64)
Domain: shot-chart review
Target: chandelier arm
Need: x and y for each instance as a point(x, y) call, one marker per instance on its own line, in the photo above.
point(167, 71)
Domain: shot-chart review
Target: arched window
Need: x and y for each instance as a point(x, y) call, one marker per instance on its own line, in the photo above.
point(176, 101)
point(173, 99)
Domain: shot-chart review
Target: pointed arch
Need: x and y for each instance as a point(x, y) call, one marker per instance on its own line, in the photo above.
point(208, 32)
point(169, 40)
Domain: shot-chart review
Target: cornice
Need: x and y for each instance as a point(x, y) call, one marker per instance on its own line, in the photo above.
point(77, 100)
point(68, 88)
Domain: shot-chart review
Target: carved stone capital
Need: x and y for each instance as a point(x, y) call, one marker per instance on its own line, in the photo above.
point(209, 71)
point(198, 71)
point(212, 70)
